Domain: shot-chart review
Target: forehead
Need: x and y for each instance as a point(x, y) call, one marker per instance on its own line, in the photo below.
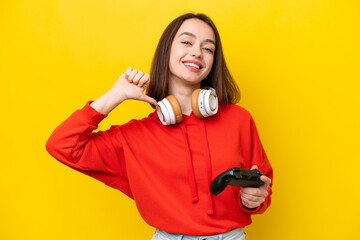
point(197, 27)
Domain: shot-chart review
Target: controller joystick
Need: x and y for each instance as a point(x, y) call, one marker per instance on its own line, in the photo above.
point(236, 177)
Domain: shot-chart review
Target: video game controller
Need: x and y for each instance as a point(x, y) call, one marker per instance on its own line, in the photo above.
point(236, 177)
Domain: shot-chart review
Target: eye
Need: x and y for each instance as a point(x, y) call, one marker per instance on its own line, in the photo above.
point(209, 50)
point(186, 42)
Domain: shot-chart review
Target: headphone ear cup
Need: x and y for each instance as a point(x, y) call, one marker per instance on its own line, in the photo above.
point(195, 103)
point(176, 108)
point(204, 102)
point(169, 111)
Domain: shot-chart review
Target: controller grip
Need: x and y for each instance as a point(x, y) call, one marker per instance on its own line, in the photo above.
point(220, 182)
point(236, 177)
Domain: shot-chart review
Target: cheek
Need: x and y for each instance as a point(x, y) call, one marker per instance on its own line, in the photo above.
point(172, 63)
point(175, 56)
point(177, 51)
point(210, 63)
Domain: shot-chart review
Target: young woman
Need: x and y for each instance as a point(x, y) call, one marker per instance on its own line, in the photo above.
point(166, 161)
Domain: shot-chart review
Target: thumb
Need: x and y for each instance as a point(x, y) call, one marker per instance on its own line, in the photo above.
point(266, 180)
point(148, 99)
point(254, 167)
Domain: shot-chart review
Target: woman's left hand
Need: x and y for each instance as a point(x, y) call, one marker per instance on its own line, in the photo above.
point(253, 197)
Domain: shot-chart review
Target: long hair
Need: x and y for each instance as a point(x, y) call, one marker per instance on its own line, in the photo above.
point(219, 77)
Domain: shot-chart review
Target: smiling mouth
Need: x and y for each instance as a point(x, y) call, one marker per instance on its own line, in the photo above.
point(193, 65)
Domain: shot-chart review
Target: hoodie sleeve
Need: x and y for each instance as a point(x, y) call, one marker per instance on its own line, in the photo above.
point(99, 155)
point(258, 157)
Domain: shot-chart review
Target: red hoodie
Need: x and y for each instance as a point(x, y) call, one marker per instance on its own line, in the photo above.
point(167, 170)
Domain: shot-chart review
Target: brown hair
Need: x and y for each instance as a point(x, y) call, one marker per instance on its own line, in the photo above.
point(219, 77)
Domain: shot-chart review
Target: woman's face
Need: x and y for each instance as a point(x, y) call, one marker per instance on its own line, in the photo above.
point(192, 52)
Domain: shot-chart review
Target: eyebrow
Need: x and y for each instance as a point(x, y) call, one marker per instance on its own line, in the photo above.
point(193, 35)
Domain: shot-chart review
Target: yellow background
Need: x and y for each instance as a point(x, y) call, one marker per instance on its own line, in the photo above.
point(297, 65)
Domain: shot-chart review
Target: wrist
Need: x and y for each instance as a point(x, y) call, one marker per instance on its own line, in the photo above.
point(107, 102)
point(115, 96)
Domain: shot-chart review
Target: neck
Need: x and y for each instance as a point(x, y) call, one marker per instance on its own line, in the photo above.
point(183, 94)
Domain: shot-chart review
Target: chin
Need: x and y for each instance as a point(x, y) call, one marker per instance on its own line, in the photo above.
point(193, 81)
point(189, 79)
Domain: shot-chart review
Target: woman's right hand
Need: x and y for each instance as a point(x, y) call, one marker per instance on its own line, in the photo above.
point(130, 85)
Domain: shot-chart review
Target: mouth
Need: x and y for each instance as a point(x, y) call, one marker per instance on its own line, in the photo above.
point(193, 65)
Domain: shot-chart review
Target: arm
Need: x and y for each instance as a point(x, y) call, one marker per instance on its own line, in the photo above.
point(257, 200)
point(99, 155)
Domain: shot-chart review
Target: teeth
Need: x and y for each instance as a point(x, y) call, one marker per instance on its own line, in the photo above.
point(192, 65)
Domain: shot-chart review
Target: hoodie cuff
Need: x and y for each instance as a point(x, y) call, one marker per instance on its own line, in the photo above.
point(90, 115)
point(251, 211)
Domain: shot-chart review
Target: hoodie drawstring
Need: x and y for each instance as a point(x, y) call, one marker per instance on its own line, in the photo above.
point(210, 210)
point(191, 172)
point(190, 166)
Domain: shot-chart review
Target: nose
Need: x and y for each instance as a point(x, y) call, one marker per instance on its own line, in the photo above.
point(196, 51)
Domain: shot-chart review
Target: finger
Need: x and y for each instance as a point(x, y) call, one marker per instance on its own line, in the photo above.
point(249, 204)
point(266, 180)
point(250, 191)
point(132, 75)
point(137, 77)
point(254, 167)
point(256, 192)
point(253, 198)
point(144, 81)
point(148, 99)
point(128, 71)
